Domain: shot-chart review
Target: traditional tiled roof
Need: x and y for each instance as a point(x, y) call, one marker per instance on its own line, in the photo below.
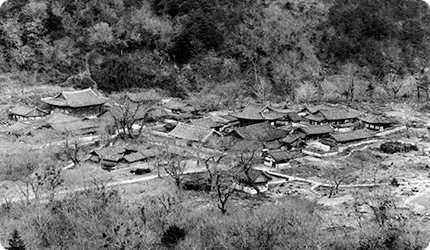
point(352, 136)
point(316, 130)
point(114, 153)
point(133, 157)
point(272, 145)
point(75, 99)
point(192, 133)
point(282, 155)
point(316, 108)
point(294, 117)
point(378, 119)
point(28, 111)
point(228, 118)
point(261, 132)
point(206, 122)
point(252, 111)
point(317, 118)
point(289, 139)
point(274, 115)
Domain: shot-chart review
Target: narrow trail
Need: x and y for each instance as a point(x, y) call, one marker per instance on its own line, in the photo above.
point(61, 194)
point(316, 184)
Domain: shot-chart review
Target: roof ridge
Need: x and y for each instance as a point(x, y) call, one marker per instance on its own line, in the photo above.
point(78, 91)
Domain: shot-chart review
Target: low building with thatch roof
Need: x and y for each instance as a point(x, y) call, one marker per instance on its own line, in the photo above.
point(79, 102)
point(25, 113)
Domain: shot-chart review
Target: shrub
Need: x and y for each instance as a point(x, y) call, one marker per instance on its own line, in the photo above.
point(172, 236)
point(397, 147)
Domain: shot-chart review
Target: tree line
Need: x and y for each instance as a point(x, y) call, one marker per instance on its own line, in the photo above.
point(191, 47)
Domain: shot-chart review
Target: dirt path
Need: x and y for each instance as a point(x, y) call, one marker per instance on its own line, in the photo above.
point(316, 184)
point(64, 193)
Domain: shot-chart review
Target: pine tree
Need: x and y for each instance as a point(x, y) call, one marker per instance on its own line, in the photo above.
point(16, 243)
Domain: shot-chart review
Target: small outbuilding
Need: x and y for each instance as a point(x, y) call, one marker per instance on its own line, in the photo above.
point(25, 113)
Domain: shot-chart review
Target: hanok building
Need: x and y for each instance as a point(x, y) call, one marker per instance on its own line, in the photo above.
point(293, 142)
point(377, 122)
point(190, 133)
point(260, 132)
point(227, 122)
point(314, 109)
point(348, 137)
point(80, 102)
point(313, 133)
point(334, 117)
point(251, 114)
point(25, 113)
point(279, 158)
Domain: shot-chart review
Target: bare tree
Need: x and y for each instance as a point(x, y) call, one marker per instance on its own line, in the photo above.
point(175, 167)
point(126, 114)
point(394, 83)
point(336, 179)
point(223, 194)
point(211, 165)
point(306, 91)
point(73, 149)
point(244, 163)
point(49, 179)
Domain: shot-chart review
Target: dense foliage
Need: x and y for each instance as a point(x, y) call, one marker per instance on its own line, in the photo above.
point(289, 48)
point(100, 219)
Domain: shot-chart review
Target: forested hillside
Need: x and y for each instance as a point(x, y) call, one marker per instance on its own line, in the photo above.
point(285, 48)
